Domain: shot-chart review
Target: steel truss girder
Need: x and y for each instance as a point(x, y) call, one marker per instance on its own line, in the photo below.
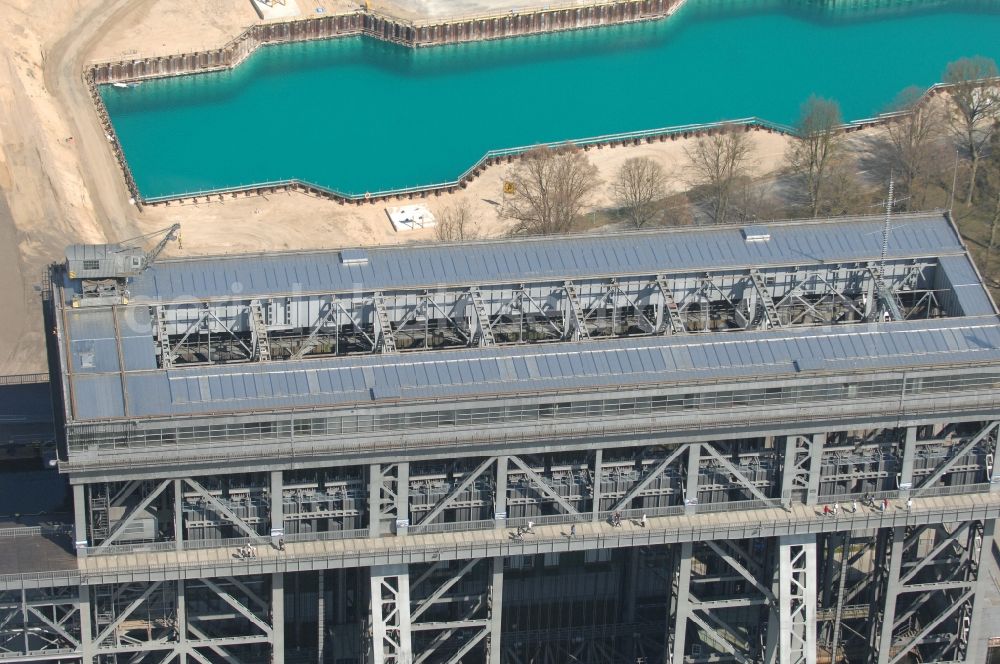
point(739, 476)
point(542, 486)
point(649, 477)
point(223, 509)
point(964, 448)
point(123, 523)
point(457, 490)
point(786, 295)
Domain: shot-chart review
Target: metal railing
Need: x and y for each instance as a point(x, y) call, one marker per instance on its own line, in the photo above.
point(465, 440)
point(35, 531)
point(503, 546)
point(231, 542)
point(24, 379)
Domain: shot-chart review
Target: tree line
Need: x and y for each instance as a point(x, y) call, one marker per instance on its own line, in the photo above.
point(930, 146)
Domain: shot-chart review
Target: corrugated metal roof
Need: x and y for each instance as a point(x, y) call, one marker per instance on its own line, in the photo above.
point(518, 369)
point(534, 259)
point(968, 290)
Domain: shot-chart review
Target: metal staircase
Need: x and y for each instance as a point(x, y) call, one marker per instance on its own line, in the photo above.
point(485, 330)
point(576, 309)
point(670, 305)
point(765, 300)
point(384, 326)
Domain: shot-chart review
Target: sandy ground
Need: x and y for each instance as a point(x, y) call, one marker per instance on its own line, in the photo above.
point(59, 183)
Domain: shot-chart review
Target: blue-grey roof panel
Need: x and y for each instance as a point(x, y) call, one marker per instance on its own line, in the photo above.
point(92, 343)
point(100, 396)
point(971, 296)
point(569, 366)
point(564, 257)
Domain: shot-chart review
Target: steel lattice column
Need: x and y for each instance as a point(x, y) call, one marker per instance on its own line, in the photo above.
point(390, 613)
point(797, 599)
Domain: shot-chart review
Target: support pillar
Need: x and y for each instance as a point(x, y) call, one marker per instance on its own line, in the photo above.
point(789, 470)
point(278, 618)
point(276, 493)
point(983, 623)
point(390, 614)
point(500, 499)
point(631, 585)
point(891, 591)
point(691, 485)
point(682, 587)
point(80, 518)
point(86, 627)
point(374, 500)
point(596, 474)
point(178, 515)
point(797, 600)
point(771, 643)
point(496, 611)
point(906, 468)
point(815, 468)
point(320, 615)
point(402, 497)
point(182, 645)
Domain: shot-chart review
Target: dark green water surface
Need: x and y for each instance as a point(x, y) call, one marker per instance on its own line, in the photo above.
point(359, 115)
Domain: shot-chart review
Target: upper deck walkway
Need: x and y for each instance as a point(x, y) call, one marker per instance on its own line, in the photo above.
point(468, 544)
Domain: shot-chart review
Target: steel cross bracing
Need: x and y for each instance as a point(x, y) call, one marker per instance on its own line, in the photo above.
point(932, 575)
point(203, 620)
point(41, 622)
point(583, 487)
point(725, 602)
point(296, 326)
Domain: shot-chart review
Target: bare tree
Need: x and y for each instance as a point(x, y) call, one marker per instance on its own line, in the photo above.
point(974, 95)
point(718, 162)
point(819, 144)
point(456, 224)
point(639, 189)
point(677, 210)
point(552, 186)
point(914, 144)
point(993, 180)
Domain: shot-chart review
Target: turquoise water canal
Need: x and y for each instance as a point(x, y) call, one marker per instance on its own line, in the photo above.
point(359, 115)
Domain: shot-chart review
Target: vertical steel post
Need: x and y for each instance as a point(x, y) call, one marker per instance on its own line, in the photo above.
point(496, 610)
point(500, 499)
point(983, 621)
point(80, 518)
point(788, 471)
point(596, 474)
point(278, 618)
point(182, 622)
point(320, 615)
point(178, 515)
point(906, 468)
point(691, 485)
point(815, 468)
point(276, 494)
point(683, 603)
point(402, 497)
point(86, 627)
point(374, 500)
point(891, 590)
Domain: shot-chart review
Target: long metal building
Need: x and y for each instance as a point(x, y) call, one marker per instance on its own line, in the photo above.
point(762, 444)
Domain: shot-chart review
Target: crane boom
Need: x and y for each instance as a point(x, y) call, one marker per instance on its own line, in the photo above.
point(172, 233)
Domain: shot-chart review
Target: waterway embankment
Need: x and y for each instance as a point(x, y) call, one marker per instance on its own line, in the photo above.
point(385, 28)
point(216, 136)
